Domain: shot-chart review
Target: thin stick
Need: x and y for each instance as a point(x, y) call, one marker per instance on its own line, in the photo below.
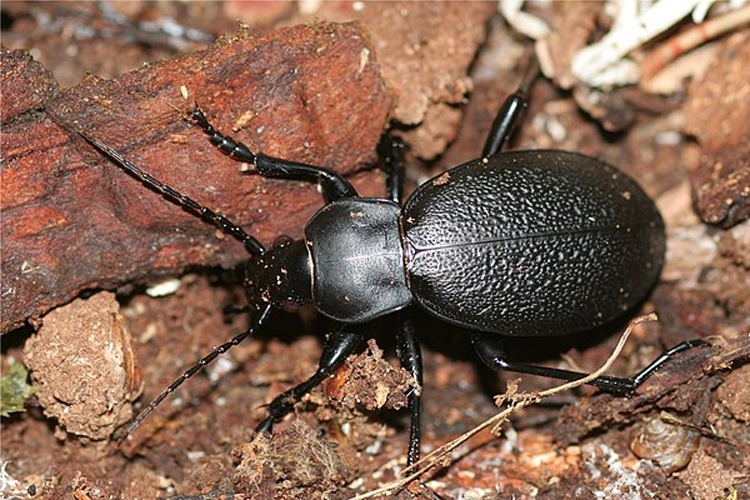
point(689, 39)
point(515, 403)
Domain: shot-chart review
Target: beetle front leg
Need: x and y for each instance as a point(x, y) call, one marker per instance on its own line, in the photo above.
point(337, 348)
point(334, 186)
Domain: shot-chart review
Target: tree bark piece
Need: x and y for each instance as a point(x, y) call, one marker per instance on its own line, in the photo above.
point(73, 221)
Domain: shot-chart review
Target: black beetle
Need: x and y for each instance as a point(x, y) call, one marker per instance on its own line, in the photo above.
point(526, 243)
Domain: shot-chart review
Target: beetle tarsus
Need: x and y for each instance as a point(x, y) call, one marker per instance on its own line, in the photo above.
point(333, 185)
point(266, 425)
point(644, 374)
point(224, 143)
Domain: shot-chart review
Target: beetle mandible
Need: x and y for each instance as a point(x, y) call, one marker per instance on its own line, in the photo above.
point(523, 243)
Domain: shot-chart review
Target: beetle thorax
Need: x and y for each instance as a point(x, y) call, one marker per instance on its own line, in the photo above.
point(358, 259)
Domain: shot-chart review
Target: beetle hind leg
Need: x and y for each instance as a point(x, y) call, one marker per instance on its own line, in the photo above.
point(641, 376)
point(489, 348)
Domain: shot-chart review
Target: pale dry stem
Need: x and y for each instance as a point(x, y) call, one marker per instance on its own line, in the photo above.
point(514, 401)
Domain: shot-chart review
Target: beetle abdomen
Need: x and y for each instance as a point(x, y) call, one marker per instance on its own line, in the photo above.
point(532, 243)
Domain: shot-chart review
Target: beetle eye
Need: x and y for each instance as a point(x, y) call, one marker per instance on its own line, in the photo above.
point(281, 241)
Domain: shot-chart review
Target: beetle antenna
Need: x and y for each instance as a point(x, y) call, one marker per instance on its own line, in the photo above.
point(252, 245)
point(258, 322)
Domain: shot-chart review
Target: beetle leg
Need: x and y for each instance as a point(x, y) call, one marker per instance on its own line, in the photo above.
point(504, 122)
point(337, 348)
point(410, 355)
point(334, 186)
point(391, 156)
point(641, 376)
point(489, 347)
point(510, 113)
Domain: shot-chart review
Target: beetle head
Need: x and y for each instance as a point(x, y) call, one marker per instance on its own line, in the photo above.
point(282, 276)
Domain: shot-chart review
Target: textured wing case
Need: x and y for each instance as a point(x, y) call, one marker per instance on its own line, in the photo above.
point(530, 244)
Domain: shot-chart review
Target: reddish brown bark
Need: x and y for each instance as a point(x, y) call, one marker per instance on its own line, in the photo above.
point(74, 221)
point(719, 118)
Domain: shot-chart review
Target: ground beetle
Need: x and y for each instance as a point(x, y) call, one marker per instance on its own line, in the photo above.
point(524, 243)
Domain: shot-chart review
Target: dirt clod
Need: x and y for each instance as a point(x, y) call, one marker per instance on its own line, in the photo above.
point(81, 367)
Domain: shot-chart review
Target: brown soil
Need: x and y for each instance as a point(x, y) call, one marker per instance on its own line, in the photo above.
point(73, 226)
